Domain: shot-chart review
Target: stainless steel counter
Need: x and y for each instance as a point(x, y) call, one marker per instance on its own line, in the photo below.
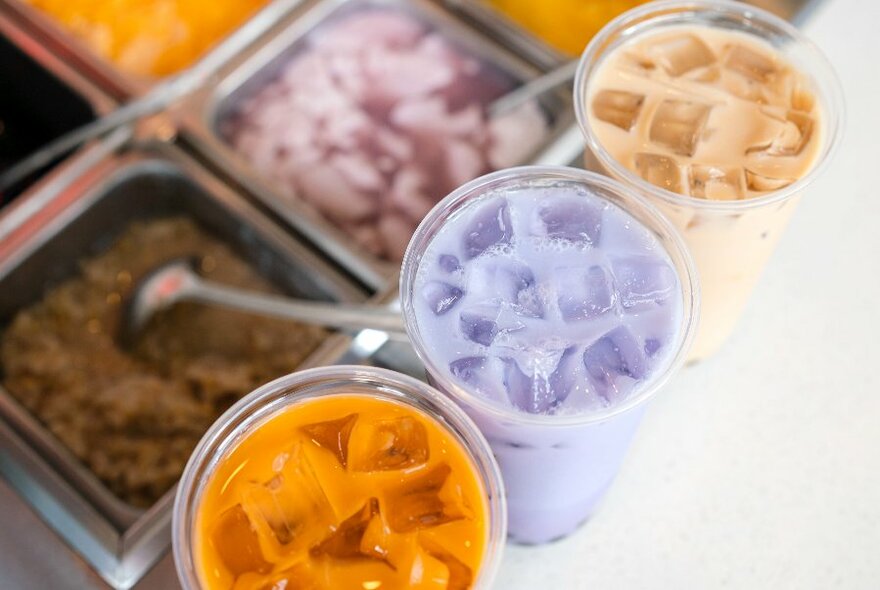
point(32, 556)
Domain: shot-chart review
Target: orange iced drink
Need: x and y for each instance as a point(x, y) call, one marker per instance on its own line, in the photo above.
point(343, 491)
point(566, 25)
point(721, 114)
point(150, 38)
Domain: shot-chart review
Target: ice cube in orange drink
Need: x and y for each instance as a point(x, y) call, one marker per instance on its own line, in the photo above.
point(343, 491)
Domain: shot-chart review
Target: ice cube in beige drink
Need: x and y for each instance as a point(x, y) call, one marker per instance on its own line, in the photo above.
point(718, 127)
point(708, 113)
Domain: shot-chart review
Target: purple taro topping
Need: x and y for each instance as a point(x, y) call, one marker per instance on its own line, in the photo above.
point(548, 300)
point(375, 118)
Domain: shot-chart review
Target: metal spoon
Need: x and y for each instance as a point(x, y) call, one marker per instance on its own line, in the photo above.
point(162, 96)
point(150, 104)
point(176, 281)
point(166, 93)
point(533, 88)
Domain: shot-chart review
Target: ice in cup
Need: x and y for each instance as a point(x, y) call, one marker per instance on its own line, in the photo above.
point(550, 303)
point(721, 114)
point(341, 477)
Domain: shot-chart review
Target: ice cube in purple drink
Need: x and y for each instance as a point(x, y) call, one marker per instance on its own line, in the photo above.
point(448, 263)
point(522, 392)
point(584, 293)
point(562, 378)
point(479, 325)
point(612, 361)
point(652, 345)
point(546, 388)
point(441, 297)
point(490, 227)
point(468, 368)
point(523, 295)
point(508, 283)
point(643, 282)
point(484, 285)
point(529, 302)
point(570, 219)
point(476, 374)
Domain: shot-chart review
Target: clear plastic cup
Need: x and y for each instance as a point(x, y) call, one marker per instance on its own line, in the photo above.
point(556, 468)
point(730, 241)
point(267, 401)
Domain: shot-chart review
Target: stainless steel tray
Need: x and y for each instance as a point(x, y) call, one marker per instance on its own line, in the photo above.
point(119, 541)
point(203, 111)
point(122, 85)
point(43, 91)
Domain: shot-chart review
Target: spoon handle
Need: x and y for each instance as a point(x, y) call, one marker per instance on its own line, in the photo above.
point(152, 102)
point(333, 315)
point(534, 88)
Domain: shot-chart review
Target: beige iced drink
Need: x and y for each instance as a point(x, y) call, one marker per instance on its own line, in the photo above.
point(708, 113)
point(718, 127)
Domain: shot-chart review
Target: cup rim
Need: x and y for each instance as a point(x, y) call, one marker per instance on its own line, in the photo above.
point(266, 401)
point(476, 188)
point(822, 74)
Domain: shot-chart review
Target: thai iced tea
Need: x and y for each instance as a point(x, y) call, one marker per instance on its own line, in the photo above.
point(343, 491)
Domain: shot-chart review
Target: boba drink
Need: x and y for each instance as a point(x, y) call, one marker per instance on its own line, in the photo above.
point(340, 478)
point(550, 303)
point(720, 114)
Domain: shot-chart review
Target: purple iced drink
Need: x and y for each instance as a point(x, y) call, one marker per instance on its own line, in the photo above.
point(550, 303)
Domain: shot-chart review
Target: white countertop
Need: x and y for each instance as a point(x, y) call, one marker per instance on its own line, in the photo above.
point(759, 468)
